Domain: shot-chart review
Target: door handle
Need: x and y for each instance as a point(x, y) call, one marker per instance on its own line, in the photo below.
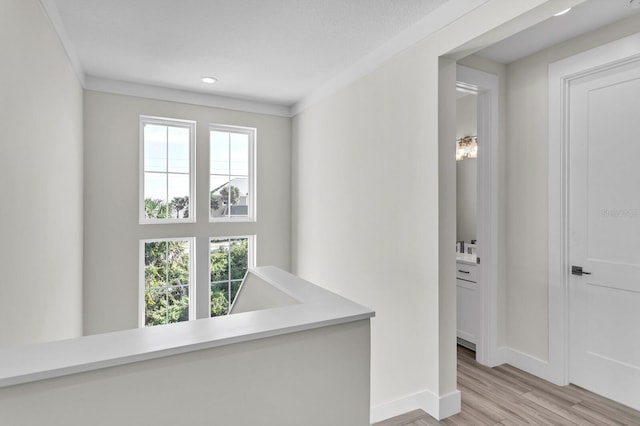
point(463, 272)
point(577, 270)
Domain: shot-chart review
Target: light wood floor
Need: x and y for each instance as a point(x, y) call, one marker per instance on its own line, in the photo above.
point(507, 396)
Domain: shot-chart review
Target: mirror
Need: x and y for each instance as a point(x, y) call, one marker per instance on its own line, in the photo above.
point(466, 168)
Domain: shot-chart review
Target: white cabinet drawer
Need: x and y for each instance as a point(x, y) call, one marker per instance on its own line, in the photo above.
point(466, 272)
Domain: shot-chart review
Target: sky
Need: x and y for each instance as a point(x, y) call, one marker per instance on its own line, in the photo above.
point(166, 161)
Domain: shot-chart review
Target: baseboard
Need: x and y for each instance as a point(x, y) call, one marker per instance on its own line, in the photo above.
point(437, 407)
point(450, 404)
point(530, 364)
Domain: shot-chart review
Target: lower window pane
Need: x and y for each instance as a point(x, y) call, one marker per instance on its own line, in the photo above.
point(235, 286)
point(229, 261)
point(219, 299)
point(155, 300)
point(178, 304)
point(219, 258)
point(239, 258)
point(166, 281)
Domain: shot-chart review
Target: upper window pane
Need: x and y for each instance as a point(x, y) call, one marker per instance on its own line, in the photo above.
point(178, 150)
point(239, 154)
point(167, 160)
point(219, 153)
point(231, 178)
point(155, 148)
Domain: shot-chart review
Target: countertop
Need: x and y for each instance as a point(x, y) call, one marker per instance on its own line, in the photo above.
point(468, 259)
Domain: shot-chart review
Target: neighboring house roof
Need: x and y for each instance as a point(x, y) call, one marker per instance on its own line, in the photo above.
point(241, 183)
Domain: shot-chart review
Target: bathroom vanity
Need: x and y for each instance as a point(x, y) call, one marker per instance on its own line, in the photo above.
point(468, 316)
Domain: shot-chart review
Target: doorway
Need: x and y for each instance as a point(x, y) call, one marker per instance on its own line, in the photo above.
point(486, 89)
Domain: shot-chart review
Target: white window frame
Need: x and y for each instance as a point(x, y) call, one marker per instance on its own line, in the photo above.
point(252, 134)
point(251, 259)
point(191, 125)
point(192, 277)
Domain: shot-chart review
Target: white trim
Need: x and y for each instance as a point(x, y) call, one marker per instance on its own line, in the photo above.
point(433, 22)
point(51, 10)
point(487, 88)
point(437, 407)
point(561, 75)
point(192, 274)
point(528, 363)
point(252, 133)
point(118, 87)
point(168, 122)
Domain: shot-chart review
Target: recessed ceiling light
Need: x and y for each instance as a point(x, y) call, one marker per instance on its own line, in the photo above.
point(563, 12)
point(209, 80)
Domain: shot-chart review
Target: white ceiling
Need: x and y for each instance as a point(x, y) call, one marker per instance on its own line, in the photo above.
point(278, 51)
point(275, 51)
point(581, 19)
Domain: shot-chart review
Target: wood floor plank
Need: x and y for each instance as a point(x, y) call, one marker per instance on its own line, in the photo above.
point(551, 403)
point(596, 416)
point(506, 396)
point(404, 419)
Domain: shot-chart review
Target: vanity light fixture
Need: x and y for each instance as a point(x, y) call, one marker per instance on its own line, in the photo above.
point(209, 80)
point(562, 12)
point(466, 147)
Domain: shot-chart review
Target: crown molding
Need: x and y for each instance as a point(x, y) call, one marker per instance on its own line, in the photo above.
point(434, 21)
point(120, 87)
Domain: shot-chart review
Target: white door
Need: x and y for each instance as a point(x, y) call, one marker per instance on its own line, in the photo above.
point(604, 233)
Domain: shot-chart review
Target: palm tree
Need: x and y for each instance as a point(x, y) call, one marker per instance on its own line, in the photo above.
point(155, 208)
point(230, 197)
point(215, 201)
point(181, 203)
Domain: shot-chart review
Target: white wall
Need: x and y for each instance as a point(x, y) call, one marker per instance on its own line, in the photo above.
point(466, 116)
point(374, 141)
point(466, 171)
point(316, 377)
point(112, 232)
point(40, 181)
point(527, 192)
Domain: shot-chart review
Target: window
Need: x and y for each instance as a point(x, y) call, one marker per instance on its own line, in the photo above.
point(229, 260)
point(166, 181)
point(168, 277)
point(172, 273)
point(231, 173)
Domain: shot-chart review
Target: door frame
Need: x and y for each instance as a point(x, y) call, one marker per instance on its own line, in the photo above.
point(561, 75)
point(486, 87)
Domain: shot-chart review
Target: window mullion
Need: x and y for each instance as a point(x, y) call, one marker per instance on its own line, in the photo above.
point(166, 281)
point(229, 272)
point(166, 136)
point(229, 181)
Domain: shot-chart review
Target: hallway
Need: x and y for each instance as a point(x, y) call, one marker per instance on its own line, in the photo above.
point(507, 396)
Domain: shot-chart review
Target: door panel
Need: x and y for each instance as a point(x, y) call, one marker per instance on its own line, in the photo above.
point(604, 226)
